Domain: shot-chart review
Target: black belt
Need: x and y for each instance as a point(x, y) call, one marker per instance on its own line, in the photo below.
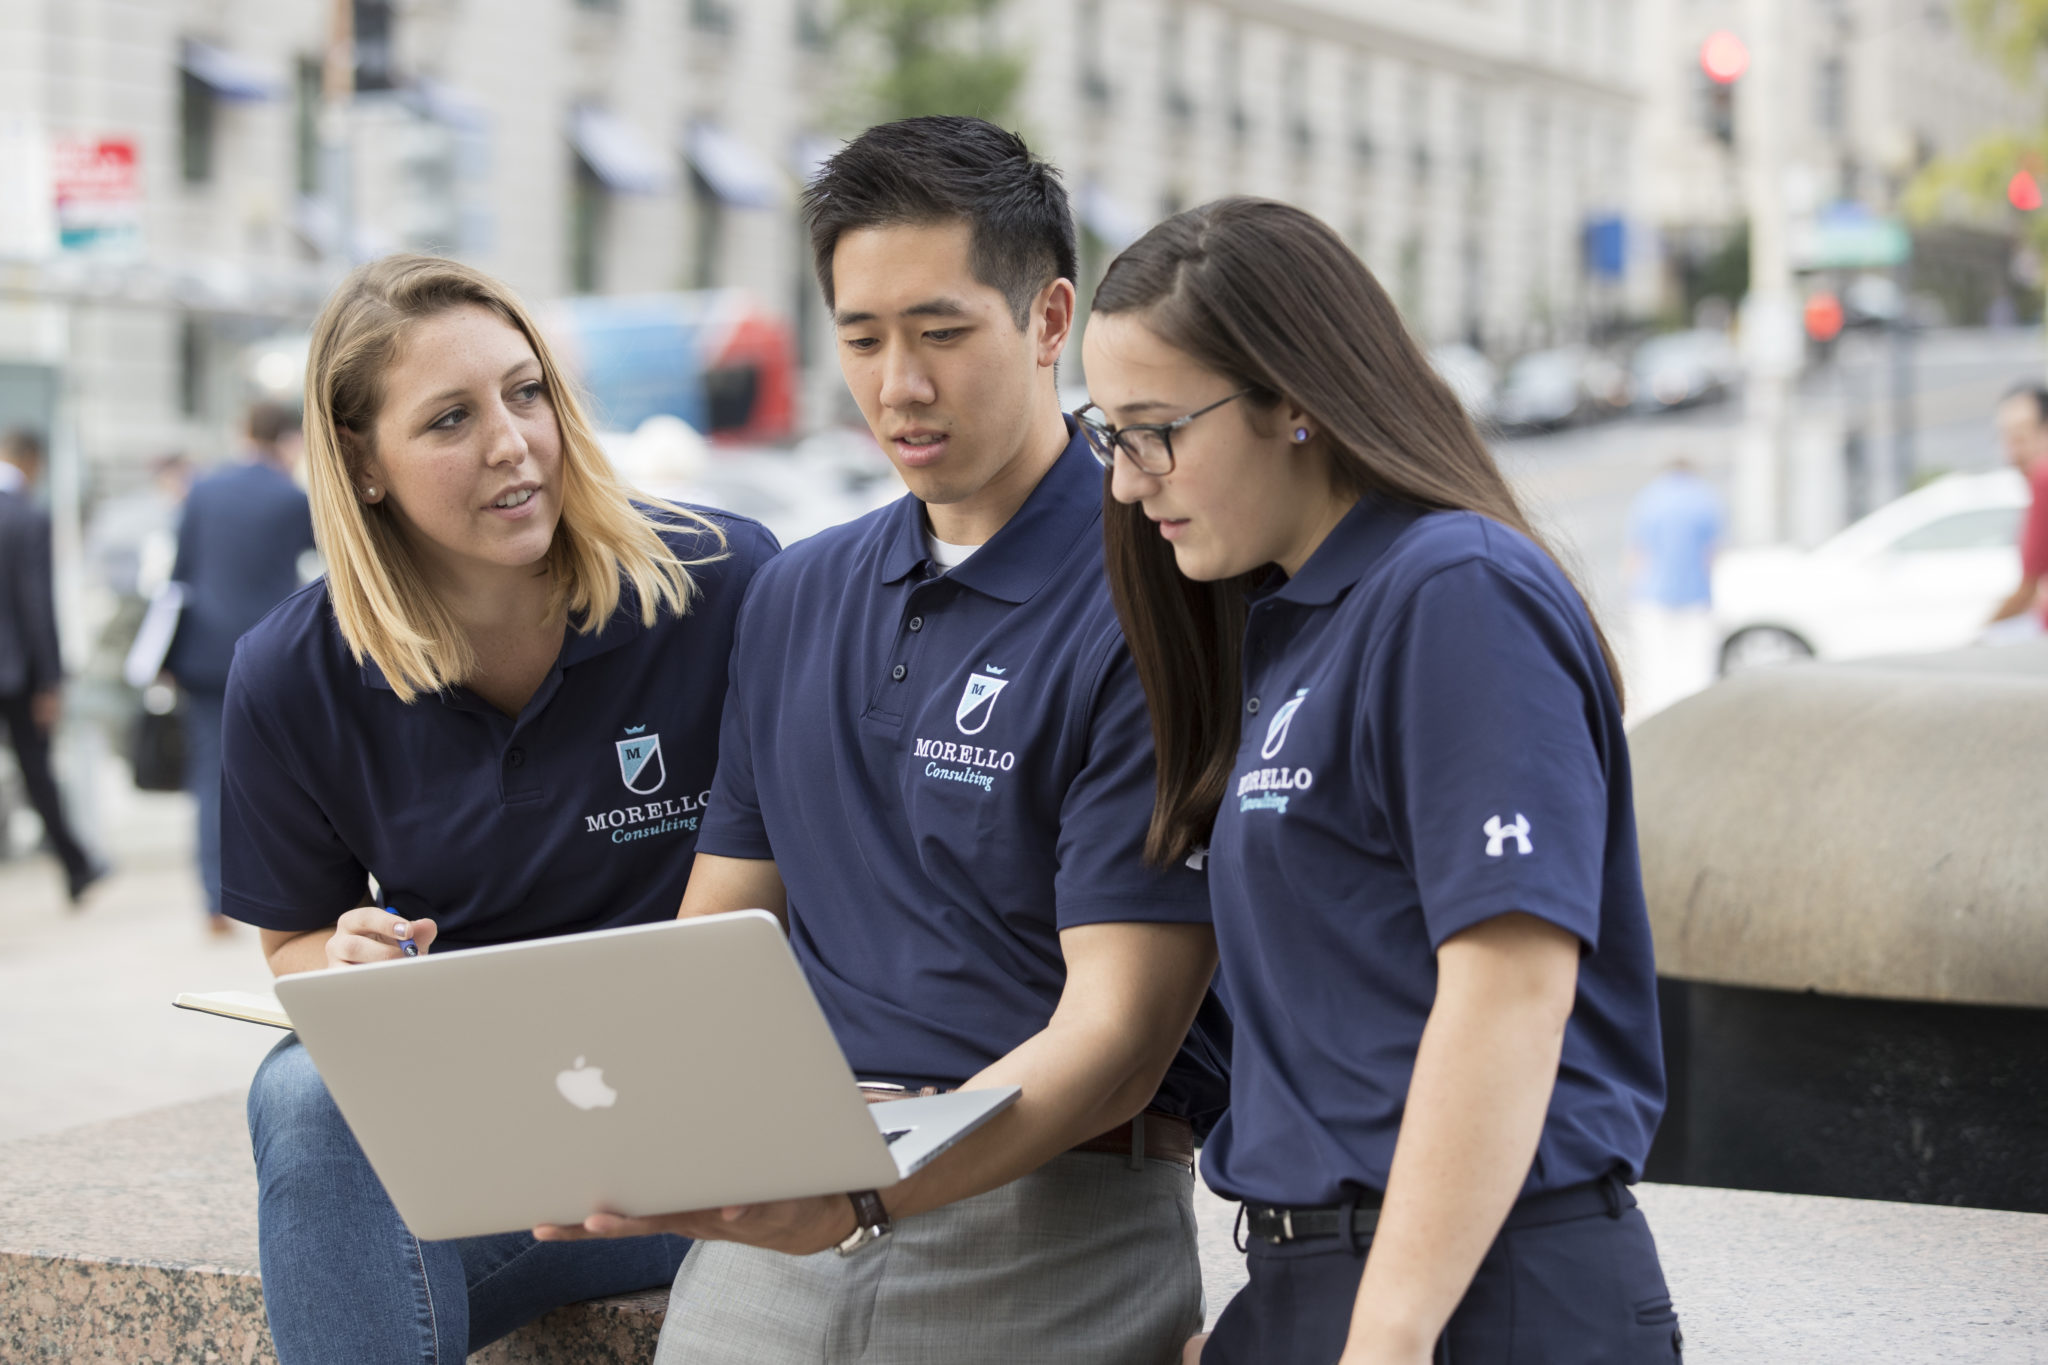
point(1276, 1225)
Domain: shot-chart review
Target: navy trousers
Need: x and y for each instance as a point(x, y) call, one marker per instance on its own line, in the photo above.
point(1582, 1291)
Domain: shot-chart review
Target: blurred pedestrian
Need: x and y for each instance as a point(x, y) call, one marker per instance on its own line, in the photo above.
point(239, 544)
point(2023, 431)
point(1675, 527)
point(31, 670)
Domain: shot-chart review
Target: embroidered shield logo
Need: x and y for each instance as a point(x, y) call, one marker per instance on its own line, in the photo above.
point(978, 702)
point(640, 766)
point(1276, 729)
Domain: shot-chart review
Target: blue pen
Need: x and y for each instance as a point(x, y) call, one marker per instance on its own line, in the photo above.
point(411, 949)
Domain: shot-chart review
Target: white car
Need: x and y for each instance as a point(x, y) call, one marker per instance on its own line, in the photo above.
point(1922, 573)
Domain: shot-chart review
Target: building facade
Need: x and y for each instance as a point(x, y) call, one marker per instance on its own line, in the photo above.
point(1481, 155)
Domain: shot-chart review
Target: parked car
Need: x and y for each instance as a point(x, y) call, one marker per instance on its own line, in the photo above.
point(1546, 390)
point(1922, 573)
point(1680, 369)
point(1471, 376)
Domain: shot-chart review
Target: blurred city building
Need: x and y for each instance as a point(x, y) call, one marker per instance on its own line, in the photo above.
point(182, 180)
point(1871, 91)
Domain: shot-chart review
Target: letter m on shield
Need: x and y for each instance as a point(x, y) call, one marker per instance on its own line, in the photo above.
point(640, 765)
point(978, 702)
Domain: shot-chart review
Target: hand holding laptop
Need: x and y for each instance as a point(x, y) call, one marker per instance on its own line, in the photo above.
point(797, 1227)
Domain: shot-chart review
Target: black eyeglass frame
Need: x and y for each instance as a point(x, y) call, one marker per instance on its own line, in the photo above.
point(1104, 440)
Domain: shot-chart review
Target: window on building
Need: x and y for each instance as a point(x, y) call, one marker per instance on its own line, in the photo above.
point(196, 106)
point(589, 207)
point(710, 16)
point(1094, 81)
point(376, 54)
point(1173, 73)
point(1831, 96)
point(1358, 112)
point(1227, 80)
point(306, 101)
point(191, 366)
point(813, 29)
point(1301, 133)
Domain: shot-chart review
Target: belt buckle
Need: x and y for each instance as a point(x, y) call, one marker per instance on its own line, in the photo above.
point(1286, 1233)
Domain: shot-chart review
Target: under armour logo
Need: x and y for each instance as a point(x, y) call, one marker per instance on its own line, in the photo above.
point(1498, 834)
point(1199, 859)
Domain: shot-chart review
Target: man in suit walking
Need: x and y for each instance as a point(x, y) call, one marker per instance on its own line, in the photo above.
point(31, 670)
point(244, 530)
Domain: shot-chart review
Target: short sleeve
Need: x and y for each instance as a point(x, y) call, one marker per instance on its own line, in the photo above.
point(1482, 709)
point(1103, 876)
point(733, 827)
point(282, 864)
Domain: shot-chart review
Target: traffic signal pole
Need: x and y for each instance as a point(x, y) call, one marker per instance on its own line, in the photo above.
point(1772, 345)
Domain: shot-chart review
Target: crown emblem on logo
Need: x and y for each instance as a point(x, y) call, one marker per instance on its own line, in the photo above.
point(636, 729)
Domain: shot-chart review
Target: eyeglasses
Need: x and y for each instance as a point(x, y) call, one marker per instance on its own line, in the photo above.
point(1148, 445)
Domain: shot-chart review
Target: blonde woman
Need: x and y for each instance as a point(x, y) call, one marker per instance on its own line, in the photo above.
point(502, 705)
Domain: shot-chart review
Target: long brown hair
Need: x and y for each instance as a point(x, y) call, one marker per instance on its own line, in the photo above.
point(1271, 298)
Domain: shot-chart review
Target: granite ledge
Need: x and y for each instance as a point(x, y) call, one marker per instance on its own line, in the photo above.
point(136, 1241)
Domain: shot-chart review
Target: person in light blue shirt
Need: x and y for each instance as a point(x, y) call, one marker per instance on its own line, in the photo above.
point(1675, 527)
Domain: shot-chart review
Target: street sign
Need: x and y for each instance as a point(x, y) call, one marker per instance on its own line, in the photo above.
point(1848, 236)
point(98, 193)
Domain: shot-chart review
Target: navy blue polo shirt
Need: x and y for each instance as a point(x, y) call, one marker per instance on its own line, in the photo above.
point(581, 813)
point(1430, 739)
point(948, 770)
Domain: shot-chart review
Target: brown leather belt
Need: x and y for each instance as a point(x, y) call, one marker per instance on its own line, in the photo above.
point(1153, 1135)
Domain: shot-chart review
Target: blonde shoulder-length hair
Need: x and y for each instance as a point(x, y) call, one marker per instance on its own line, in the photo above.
point(387, 608)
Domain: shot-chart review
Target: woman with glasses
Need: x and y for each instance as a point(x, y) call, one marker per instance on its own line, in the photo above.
point(1394, 723)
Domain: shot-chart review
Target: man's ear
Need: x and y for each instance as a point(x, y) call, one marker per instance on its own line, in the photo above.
point(1052, 317)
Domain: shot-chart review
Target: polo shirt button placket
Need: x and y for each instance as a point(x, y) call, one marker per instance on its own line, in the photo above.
point(899, 672)
point(916, 623)
point(515, 758)
point(1252, 706)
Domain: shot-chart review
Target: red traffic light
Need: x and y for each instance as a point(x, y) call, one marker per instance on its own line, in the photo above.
point(1724, 57)
point(2023, 191)
point(1823, 317)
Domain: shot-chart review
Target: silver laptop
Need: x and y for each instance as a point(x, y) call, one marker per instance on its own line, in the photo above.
point(652, 1069)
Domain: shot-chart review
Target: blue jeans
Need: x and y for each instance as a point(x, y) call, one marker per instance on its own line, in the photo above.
point(202, 716)
point(344, 1282)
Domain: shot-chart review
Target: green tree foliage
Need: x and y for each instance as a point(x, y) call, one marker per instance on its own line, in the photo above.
point(939, 57)
point(2014, 33)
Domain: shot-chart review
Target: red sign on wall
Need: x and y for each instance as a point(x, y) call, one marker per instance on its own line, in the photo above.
point(97, 191)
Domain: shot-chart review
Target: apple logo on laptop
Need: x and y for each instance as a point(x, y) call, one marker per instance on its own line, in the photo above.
point(584, 1087)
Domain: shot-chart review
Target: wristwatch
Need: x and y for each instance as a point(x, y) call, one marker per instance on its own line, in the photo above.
point(870, 1222)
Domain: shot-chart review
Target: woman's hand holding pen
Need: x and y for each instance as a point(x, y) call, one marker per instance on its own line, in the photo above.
point(371, 934)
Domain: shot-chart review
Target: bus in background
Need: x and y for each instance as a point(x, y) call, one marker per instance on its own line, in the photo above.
point(713, 358)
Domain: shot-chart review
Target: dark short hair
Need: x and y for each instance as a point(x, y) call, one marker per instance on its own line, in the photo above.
point(928, 170)
point(22, 444)
point(2030, 388)
point(268, 422)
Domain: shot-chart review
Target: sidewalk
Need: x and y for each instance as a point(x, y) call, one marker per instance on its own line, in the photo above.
point(87, 1031)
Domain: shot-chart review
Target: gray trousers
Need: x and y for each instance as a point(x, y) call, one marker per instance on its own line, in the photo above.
point(1083, 1261)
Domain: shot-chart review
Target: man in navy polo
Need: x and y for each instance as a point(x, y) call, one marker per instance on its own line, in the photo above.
point(936, 765)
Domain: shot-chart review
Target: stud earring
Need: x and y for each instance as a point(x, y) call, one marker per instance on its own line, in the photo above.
point(1300, 435)
point(369, 492)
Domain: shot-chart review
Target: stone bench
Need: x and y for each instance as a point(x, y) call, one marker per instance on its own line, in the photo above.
point(135, 1241)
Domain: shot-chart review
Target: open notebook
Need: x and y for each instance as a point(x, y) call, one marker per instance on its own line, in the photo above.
point(257, 1007)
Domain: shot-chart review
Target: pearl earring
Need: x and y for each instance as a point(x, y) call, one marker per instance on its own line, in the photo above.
point(1300, 435)
point(369, 492)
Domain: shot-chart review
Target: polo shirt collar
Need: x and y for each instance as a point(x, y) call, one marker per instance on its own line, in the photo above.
point(622, 629)
point(1347, 554)
point(1018, 559)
